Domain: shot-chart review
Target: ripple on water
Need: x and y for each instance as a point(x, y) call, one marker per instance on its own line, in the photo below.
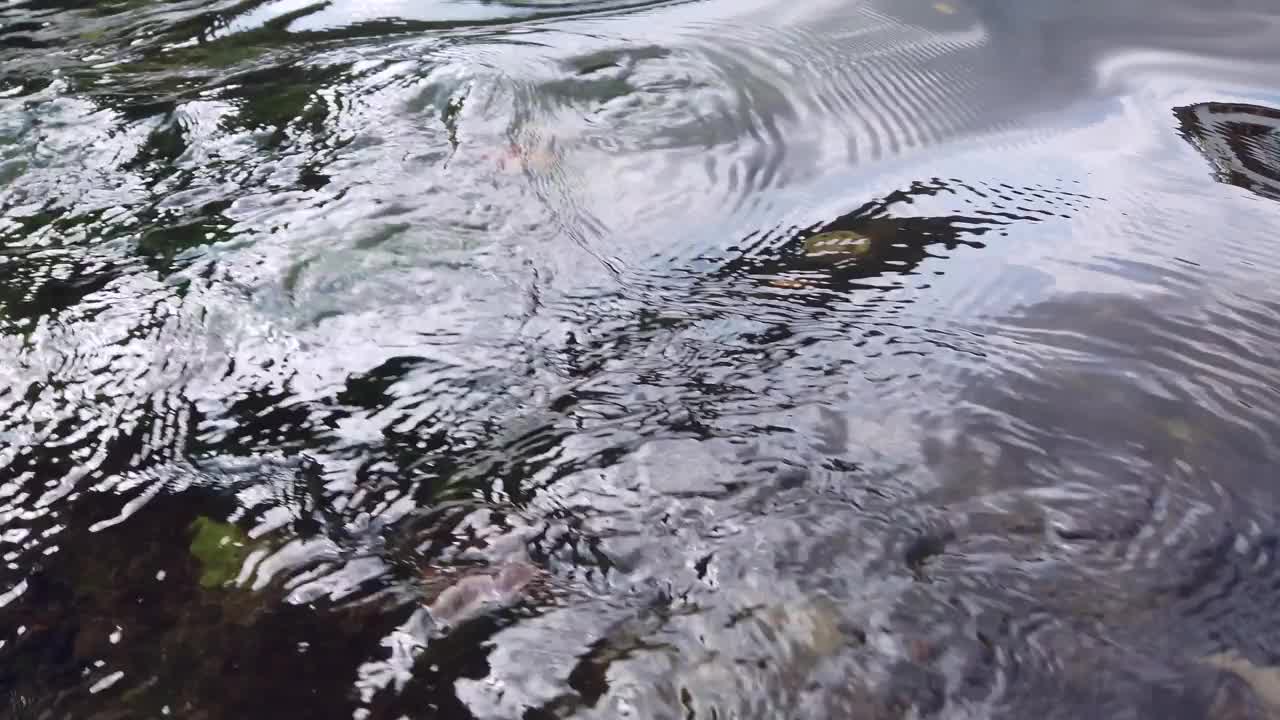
point(599, 358)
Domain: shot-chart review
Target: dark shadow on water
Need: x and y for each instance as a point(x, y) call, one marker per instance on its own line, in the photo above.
point(1241, 141)
point(880, 239)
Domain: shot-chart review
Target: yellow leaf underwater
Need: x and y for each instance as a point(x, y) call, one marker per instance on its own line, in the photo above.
point(837, 244)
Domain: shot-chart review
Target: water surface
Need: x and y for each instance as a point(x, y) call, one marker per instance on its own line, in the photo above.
point(639, 358)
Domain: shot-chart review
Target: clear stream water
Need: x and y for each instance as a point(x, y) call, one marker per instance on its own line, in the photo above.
point(638, 358)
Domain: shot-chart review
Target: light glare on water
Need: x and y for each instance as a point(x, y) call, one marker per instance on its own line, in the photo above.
point(639, 358)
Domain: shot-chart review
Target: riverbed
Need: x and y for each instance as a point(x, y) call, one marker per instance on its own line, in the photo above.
point(639, 358)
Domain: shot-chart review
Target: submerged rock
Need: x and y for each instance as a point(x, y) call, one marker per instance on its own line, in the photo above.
point(1252, 691)
point(472, 594)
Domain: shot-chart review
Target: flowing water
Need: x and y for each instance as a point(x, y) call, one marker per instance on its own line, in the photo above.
point(639, 358)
